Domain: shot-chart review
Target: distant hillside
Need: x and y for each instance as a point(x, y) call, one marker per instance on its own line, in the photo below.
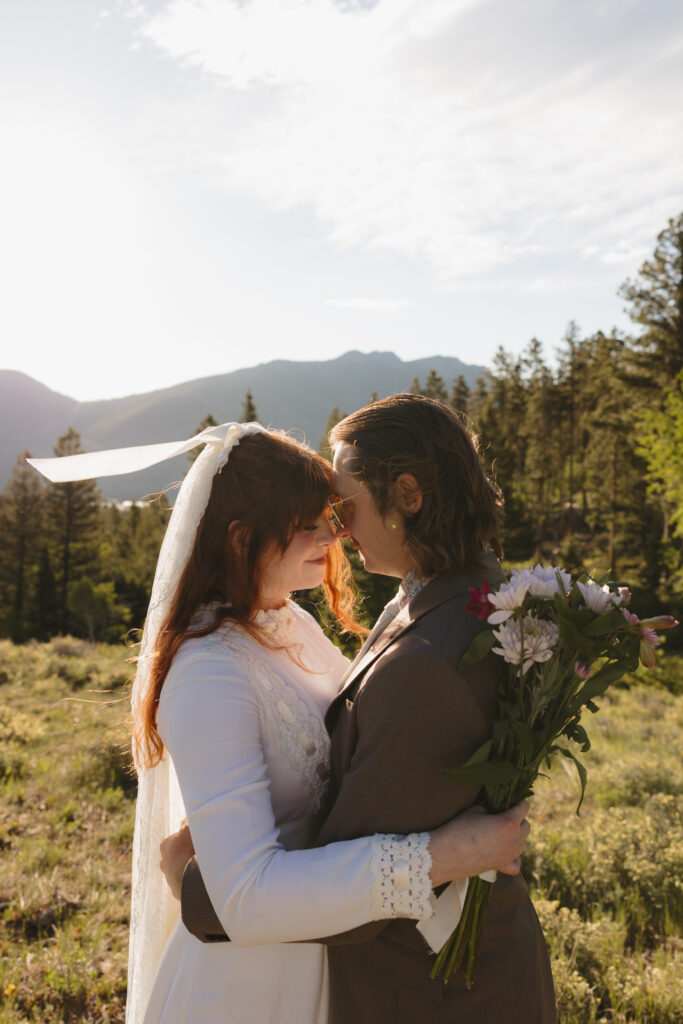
point(287, 394)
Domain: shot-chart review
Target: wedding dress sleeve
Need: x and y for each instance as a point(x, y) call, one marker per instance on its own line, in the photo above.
point(211, 723)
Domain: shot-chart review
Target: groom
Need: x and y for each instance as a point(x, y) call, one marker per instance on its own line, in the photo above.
point(416, 504)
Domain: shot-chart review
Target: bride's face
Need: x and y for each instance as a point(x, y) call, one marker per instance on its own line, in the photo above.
point(300, 566)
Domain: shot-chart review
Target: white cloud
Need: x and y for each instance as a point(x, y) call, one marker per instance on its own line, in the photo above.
point(370, 305)
point(629, 257)
point(469, 134)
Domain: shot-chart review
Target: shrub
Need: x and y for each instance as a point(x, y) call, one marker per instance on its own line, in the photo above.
point(69, 647)
point(628, 861)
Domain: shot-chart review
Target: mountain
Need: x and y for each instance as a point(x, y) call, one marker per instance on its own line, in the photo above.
point(288, 394)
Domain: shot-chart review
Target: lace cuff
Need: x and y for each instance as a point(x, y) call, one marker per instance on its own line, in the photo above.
point(400, 871)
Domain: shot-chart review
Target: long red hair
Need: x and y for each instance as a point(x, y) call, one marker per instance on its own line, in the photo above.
point(270, 485)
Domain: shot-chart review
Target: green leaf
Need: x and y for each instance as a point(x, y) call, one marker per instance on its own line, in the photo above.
point(525, 737)
point(501, 728)
point(482, 754)
point(609, 622)
point(632, 662)
point(478, 649)
point(580, 617)
point(597, 684)
point(583, 774)
point(561, 606)
point(576, 732)
point(570, 634)
point(487, 773)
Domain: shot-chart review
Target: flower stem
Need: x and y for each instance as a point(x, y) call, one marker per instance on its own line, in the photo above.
point(477, 932)
point(464, 944)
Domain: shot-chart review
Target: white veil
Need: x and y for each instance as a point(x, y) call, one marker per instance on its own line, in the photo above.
point(159, 809)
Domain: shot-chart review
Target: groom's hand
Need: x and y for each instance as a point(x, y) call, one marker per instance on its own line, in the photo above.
point(475, 841)
point(175, 851)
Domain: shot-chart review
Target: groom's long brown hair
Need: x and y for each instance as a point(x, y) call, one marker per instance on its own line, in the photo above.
point(270, 485)
point(461, 507)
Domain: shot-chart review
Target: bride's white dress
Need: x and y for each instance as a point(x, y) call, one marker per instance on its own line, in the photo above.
point(244, 728)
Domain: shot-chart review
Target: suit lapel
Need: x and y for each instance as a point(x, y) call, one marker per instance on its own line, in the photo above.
point(435, 593)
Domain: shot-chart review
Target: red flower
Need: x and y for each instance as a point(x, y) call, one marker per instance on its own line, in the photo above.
point(479, 604)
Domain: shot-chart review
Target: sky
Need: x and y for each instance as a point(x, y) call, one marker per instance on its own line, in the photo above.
point(194, 186)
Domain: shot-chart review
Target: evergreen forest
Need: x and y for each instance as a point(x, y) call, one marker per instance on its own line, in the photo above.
point(586, 446)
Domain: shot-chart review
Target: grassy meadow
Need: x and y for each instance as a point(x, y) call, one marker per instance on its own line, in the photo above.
point(607, 885)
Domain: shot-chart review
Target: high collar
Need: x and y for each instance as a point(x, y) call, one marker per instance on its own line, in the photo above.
point(410, 587)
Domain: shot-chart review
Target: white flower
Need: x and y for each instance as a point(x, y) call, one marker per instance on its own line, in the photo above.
point(509, 597)
point(539, 640)
point(599, 599)
point(543, 581)
point(539, 582)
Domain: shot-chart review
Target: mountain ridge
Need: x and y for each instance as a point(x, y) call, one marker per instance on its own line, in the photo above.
point(291, 394)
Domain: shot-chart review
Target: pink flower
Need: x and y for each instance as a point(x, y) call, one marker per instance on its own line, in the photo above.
point(648, 638)
point(582, 671)
point(660, 622)
point(648, 655)
point(479, 604)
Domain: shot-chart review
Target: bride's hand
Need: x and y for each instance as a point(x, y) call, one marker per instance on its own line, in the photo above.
point(475, 841)
point(175, 851)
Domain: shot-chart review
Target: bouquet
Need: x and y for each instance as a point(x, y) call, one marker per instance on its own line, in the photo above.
point(564, 640)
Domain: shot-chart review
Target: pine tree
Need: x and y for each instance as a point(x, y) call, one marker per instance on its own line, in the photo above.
point(128, 559)
point(567, 385)
point(96, 607)
point(435, 387)
point(72, 515)
point(332, 420)
point(540, 434)
point(507, 395)
point(208, 421)
point(460, 395)
point(496, 409)
point(45, 603)
point(659, 437)
point(479, 400)
point(656, 299)
point(249, 413)
point(614, 473)
point(20, 525)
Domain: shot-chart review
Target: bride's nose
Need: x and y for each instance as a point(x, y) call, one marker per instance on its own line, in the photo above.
point(327, 536)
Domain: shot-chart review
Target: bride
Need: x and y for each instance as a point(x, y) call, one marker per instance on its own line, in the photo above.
point(232, 685)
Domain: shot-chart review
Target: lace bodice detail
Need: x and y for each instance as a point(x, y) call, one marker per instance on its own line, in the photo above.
point(299, 729)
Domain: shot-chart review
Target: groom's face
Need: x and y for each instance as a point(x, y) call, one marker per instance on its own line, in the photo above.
point(379, 541)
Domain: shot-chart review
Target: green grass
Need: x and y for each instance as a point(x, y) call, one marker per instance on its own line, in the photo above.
point(607, 885)
point(66, 827)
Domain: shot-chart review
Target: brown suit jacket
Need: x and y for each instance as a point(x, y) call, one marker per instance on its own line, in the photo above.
point(405, 714)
